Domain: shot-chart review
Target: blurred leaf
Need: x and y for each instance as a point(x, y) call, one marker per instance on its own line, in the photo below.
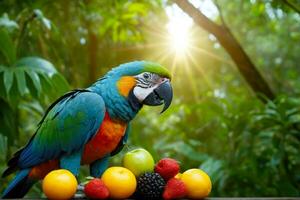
point(20, 77)
point(8, 80)
point(3, 147)
point(32, 107)
point(34, 75)
point(287, 189)
point(37, 64)
point(7, 47)
point(2, 68)
point(46, 22)
point(7, 118)
point(36, 80)
point(60, 83)
point(7, 23)
point(214, 168)
point(136, 7)
point(292, 112)
point(186, 150)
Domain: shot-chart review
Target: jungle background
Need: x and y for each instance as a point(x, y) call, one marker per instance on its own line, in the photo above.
point(235, 65)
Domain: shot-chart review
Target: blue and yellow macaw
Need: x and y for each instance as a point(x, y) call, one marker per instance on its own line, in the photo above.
point(87, 126)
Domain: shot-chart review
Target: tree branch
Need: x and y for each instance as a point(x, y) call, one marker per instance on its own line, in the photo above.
point(232, 46)
point(292, 6)
point(220, 12)
point(198, 17)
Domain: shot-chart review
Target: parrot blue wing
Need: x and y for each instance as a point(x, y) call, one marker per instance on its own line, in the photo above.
point(67, 126)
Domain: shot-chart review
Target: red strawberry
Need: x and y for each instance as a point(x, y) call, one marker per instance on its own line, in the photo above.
point(96, 189)
point(167, 168)
point(175, 189)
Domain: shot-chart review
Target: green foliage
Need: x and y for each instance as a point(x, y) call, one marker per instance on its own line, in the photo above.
point(265, 159)
point(121, 19)
point(3, 149)
point(32, 76)
point(274, 53)
point(5, 22)
point(254, 153)
point(7, 46)
point(40, 16)
point(276, 146)
point(23, 82)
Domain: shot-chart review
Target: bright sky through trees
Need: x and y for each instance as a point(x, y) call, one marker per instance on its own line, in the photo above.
point(179, 29)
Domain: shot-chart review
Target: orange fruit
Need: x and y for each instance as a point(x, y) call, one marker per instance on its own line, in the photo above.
point(197, 182)
point(59, 184)
point(178, 175)
point(120, 182)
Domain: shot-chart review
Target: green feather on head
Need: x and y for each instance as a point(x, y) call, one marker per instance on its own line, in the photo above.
point(157, 69)
point(137, 67)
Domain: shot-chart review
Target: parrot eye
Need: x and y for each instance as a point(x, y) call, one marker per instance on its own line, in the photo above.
point(146, 75)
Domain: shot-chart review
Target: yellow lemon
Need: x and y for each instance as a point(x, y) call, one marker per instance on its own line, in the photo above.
point(178, 176)
point(120, 182)
point(59, 184)
point(197, 182)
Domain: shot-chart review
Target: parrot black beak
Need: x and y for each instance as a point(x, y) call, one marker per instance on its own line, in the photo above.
point(162, 94)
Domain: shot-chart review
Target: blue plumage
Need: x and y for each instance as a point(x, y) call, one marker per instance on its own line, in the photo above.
point(66, 128)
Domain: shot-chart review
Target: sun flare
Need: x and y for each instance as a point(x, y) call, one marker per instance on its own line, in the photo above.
point(179, 40)
point(178, 30)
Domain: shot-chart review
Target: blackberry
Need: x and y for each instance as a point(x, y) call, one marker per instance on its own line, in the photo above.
point(150, 186)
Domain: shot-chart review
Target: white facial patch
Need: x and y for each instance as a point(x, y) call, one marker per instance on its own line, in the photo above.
point(141, 93)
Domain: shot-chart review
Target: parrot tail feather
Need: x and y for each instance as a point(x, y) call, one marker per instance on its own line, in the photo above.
point(19, 186)
point(12, 164)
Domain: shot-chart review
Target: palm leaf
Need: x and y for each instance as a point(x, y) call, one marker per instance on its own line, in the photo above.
point(20, 77)
point(37, 64)
point(34, 76)
point(8, 80)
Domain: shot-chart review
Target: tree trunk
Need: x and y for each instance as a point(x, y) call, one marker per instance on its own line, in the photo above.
point(232, 46)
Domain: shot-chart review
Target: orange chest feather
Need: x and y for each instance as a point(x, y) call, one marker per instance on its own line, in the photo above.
point(105, 141)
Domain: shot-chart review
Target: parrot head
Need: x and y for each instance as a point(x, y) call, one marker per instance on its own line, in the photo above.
point(126, 88)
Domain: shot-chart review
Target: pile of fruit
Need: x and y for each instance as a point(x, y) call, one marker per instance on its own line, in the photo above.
point(139, 178)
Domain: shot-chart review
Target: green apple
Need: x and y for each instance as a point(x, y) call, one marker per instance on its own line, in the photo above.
point(138, 161)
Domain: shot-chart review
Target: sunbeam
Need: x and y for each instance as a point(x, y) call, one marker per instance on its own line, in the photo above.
point(179, 31)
